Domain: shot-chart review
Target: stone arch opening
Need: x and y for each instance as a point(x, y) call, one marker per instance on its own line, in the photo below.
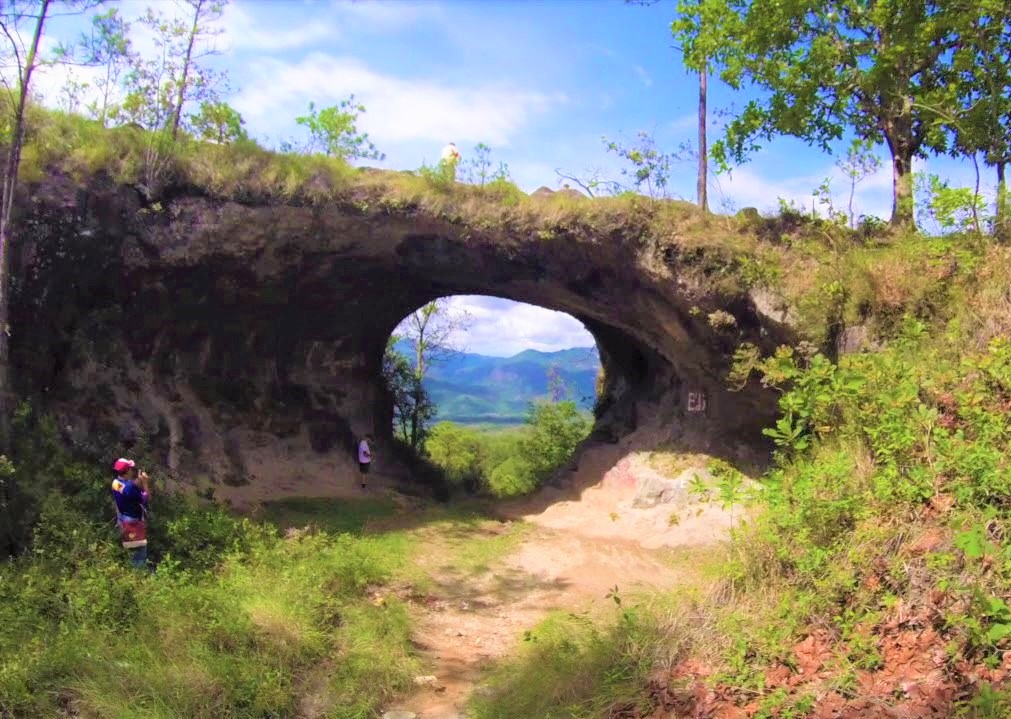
point(224, 326)
point(628, 366)
point(497, 382)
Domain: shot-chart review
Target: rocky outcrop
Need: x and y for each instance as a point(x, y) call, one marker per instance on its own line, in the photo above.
point(204, 330)
point(654, 489)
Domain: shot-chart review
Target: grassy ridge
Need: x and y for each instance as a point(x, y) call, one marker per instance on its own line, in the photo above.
point(875, 572)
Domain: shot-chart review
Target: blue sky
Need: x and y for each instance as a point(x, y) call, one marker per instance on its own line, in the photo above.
point(539, 81)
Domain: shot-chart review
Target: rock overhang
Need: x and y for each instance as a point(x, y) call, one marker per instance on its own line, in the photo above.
point(287, 307)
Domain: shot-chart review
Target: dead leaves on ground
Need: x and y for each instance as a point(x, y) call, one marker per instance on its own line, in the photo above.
point(916, 680)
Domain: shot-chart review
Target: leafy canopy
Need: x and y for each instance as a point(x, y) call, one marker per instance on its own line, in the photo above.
point(334, 131)
point(840, 65)
point(218, 122)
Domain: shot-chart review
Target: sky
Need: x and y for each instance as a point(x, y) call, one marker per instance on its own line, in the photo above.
point(540, 81)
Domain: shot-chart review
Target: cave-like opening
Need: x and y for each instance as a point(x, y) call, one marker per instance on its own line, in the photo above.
point(495, 393)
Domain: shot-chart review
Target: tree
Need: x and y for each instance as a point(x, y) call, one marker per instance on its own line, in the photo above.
point(696, 51)
point(878, 69)
point(650, 170)
point(457, 450)
point(702, 178)
point(218, 122)
point(479, 168)
point(160, 86)
point(592, 182)
point(859, 163)
point(107, 46)
point(982, 124)
point(555, 429)
point(334, 130)
point(192, 81)
point(25, 60)
point(412, 406)
point(696, 58)
point(431, 333)
point(71, 93)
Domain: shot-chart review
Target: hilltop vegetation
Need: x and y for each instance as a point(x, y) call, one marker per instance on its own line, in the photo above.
point(873, 571)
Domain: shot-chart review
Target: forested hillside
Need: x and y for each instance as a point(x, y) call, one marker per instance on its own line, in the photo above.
point(470, 388)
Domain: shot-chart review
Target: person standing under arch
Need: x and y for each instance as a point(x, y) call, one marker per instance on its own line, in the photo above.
point(364, 458)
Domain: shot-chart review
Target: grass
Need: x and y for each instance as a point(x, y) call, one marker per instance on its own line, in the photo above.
point(471, 543)
point(336, 516)
point(243, 623)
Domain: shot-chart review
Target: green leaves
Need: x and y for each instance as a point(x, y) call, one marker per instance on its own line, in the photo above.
point(334, 131)
point(649, 171)
point(218, 122)
point(825, 69)
point(973, 542)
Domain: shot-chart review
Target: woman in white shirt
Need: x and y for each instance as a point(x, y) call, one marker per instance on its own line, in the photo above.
point(364, 457)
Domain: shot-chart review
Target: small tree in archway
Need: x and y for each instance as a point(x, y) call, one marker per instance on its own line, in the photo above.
point(412, 406)
point(430, 331)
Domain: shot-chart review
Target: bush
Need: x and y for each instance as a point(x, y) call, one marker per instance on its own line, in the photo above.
point(456, 449)
point(512, 478)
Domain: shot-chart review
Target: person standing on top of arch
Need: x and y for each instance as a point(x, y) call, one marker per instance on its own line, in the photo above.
point(450, 159)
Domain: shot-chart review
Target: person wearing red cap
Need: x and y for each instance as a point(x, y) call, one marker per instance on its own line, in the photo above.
point(131, 492)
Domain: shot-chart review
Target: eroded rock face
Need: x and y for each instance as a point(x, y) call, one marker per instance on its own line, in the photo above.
point(209, 329)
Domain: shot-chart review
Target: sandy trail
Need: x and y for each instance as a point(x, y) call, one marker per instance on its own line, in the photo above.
point(576, 551)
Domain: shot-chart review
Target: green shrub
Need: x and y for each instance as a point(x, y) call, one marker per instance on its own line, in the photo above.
point(456, 449)
point(512, 478)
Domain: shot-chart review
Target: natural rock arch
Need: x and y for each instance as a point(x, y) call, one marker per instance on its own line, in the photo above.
point(218, 317)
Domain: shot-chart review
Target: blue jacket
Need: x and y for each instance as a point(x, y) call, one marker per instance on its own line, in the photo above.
point(131, 500)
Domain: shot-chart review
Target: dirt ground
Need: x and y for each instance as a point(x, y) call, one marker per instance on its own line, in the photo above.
point(580, 544)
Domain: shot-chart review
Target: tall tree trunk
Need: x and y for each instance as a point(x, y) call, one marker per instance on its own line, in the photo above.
point(181, 96)
point(853, 192)
point(703, 175)
point(902, 188)
point(9, 511)
point(10, 181)
point(1002, 221)
point(975, 198)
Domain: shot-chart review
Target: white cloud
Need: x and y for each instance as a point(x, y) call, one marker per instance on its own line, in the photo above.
point(502, 328)
point(242, 31)
point(746, 187)
point(399, 109)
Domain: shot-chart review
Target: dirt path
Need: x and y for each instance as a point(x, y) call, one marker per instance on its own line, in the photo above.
point(570, 556)
point(467, 622)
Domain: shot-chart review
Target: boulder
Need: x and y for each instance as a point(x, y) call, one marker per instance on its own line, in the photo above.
point(654, 489)
point(855, 339)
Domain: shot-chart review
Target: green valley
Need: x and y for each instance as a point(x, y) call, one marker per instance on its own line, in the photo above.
point(470, 388)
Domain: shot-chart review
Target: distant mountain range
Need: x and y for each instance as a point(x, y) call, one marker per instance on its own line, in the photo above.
point(476, 389)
